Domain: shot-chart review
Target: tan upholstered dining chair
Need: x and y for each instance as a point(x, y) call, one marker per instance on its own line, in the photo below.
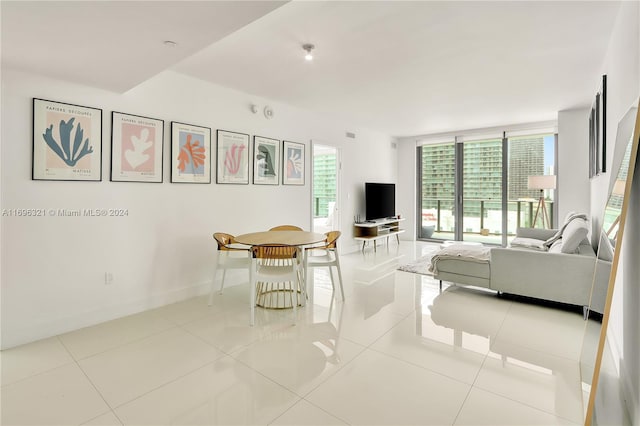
point(270, 266)
point(328, 257)
point(286, 228)
point(230, 255)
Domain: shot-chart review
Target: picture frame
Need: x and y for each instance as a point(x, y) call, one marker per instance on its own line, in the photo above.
point(293, 163)
point(598, 132)
point(190, 153)
point(233, 158)
point(136, 148)
point(67, 142)
point(266, 161)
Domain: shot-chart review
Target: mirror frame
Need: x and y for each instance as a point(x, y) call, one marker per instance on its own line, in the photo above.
point(614, 268)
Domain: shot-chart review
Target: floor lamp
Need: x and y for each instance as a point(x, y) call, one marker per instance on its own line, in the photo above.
point(542, 182)
point(618, 191)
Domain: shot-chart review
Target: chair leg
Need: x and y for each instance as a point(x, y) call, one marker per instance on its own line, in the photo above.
point(224, 274)
point(295, 300)
point(213, 278)
point(252, 295)
point(213, 283)
point(305, 278)
point(339, 274)
point(333, 284)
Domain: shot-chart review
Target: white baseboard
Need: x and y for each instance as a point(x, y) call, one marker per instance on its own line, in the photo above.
point(49, 327)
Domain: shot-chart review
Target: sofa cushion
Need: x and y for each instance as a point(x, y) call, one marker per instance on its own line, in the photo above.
point(573, 234)
point(605, 249)
point(530, 243)
point(556, 247)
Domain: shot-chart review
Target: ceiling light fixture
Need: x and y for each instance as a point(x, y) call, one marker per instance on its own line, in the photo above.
point(308, 48)
point(169, 43)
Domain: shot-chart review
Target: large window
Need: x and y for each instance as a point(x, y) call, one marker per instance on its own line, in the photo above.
point(437, 191)
point(489, 181)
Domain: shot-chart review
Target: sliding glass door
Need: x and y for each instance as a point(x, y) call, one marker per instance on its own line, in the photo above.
point(437, 167)
point(482, 191)
point(531, 182)
point(496, 183)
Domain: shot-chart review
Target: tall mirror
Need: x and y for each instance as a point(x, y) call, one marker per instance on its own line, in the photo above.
point(609, 244)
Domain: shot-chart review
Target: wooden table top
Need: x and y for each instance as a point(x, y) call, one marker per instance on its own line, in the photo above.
point(292, 238)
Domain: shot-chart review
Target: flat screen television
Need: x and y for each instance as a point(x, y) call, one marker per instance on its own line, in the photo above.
point(380, 200)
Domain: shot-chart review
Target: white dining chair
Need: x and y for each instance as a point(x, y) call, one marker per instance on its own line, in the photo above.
point(230, 255)
point(325, 255)
point(272, 264)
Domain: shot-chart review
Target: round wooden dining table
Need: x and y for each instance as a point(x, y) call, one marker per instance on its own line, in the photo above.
point(290, 238)
point(279, 296)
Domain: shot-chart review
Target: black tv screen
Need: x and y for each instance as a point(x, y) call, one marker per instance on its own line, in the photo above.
point(380, 200)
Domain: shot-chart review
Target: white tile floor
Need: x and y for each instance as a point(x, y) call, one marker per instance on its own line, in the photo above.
point(396, 352)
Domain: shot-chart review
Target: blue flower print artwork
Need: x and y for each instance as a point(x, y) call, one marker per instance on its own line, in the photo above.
point(67, 141)
point(68, 153)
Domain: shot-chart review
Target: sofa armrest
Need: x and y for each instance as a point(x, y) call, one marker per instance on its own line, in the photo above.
point(560, 277)
point(536, 233)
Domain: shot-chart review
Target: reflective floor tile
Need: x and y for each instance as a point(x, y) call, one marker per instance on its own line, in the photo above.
point(230, 331)
point(551, 330)
point(539, 380)
point(417, 340)
point(377, 389)
point(197, 308)
point(99, 338)
point(131, 370)
point(62, 396)
point(107, 419)
point(486, 408)
point(307, 414)
point(222, 393)
point(300, 358)
point(33, 358)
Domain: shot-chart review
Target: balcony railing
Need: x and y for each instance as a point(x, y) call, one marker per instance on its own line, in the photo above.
point(321, 205)
point(483, 217)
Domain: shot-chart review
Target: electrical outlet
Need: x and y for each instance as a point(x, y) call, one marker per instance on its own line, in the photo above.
point(108, 278)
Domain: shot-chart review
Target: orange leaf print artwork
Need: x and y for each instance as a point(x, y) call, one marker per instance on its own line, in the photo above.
point(191, 154)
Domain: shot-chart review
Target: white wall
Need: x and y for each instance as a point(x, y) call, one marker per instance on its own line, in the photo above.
point(53, 267)
point(573, 162)
point(407, 187)
point(622, 66)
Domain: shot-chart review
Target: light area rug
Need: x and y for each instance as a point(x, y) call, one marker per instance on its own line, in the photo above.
point(420, 265)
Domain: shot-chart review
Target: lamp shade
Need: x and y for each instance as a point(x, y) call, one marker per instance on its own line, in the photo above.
point(618, 187)
point(542, 182)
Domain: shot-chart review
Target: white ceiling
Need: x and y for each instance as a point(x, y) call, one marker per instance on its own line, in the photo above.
point(403, 68)
point(115, 45)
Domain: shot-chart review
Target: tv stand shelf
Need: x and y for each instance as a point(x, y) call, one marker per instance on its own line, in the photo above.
point(376, 230)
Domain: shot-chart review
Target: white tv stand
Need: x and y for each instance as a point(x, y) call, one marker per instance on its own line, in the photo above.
point(376, 230)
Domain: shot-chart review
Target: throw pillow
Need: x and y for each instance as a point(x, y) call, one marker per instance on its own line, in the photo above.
point(567, 220)
point(573, 234)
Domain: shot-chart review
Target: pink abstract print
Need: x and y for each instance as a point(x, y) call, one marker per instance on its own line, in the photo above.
point(233, 159)
point(138, 148)
point(294, 163)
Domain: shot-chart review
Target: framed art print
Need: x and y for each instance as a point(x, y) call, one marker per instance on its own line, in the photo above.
point(67, 141)
point(233, 157)
point(136, 148)
point(266, 161)
point(598, 132)
point(190, 153)
point(293, 163)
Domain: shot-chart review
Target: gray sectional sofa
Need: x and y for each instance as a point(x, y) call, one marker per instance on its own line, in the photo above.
point(559, 274)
